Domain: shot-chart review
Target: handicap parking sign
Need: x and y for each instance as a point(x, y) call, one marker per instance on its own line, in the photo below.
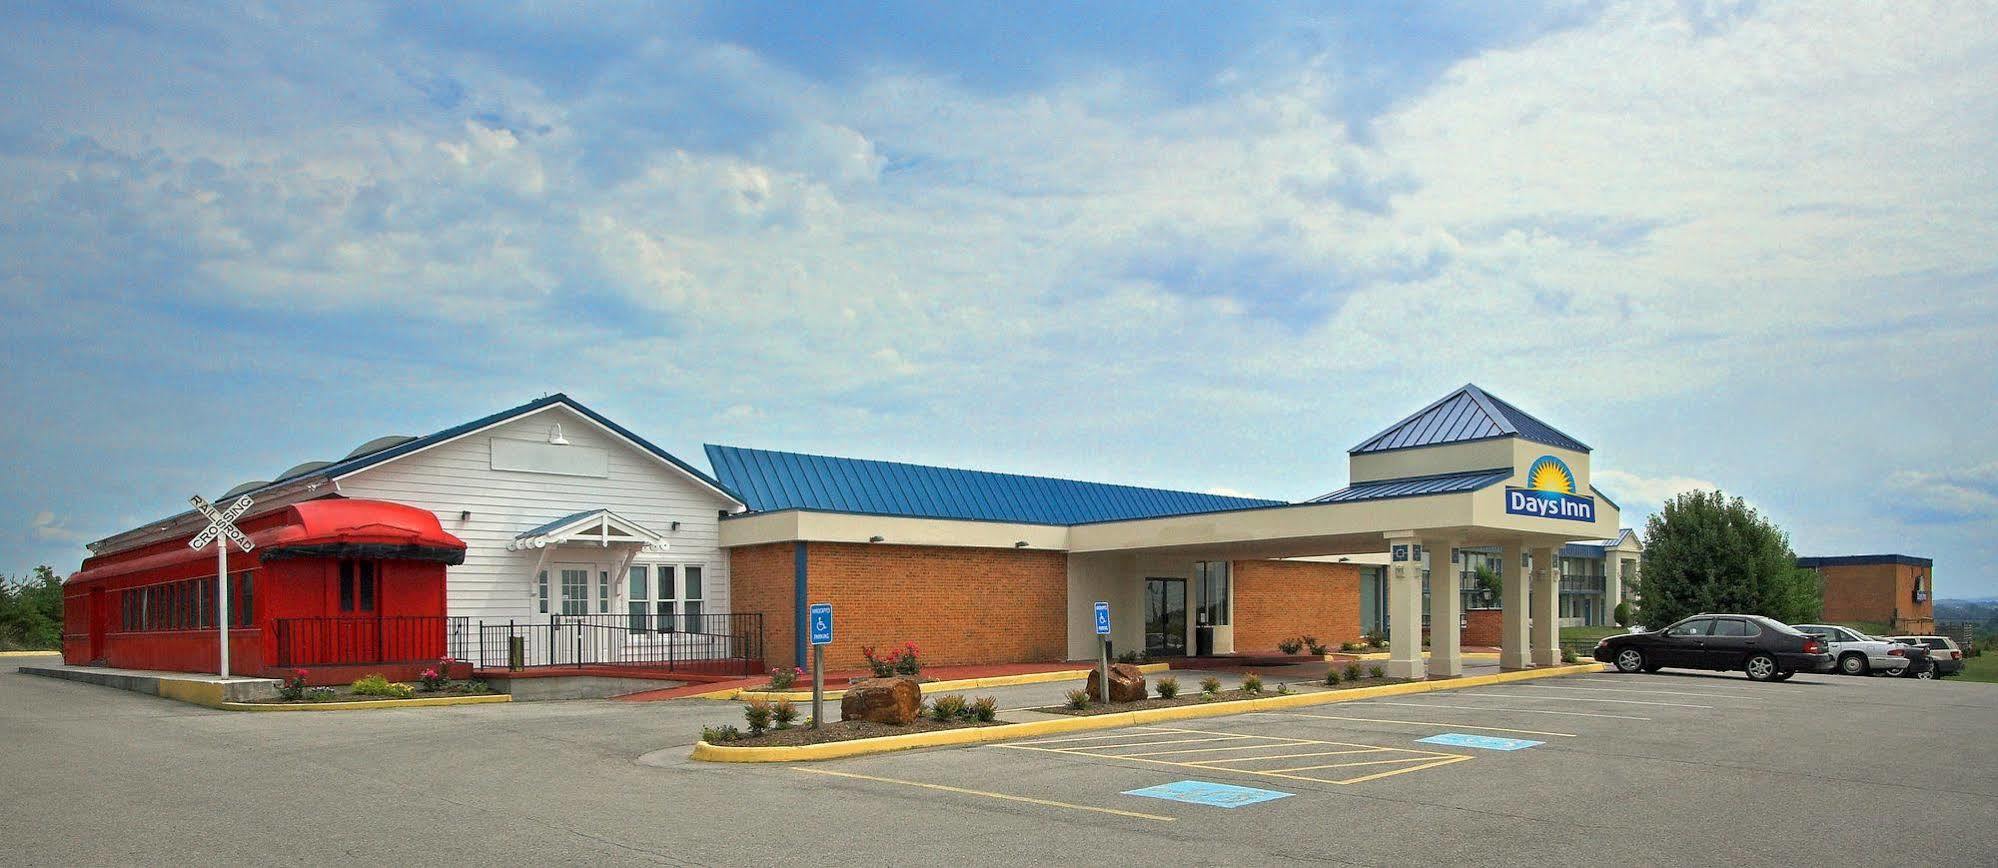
point(1208, 793)
point(1487, 742)
point(1102, 618)
point(821, 623)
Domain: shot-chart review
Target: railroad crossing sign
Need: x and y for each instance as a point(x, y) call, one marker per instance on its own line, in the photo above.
point(221, 531)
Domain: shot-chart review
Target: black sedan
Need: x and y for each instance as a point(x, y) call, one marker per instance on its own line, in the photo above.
point(1766, 649)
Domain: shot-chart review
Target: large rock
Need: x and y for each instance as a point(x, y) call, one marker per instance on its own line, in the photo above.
point(1127, 683)
point(883, 700)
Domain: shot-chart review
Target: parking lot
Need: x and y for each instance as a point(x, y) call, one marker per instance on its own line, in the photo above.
point(1642, 769)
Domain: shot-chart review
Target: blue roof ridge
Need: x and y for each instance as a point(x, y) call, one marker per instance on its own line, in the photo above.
point(711, 447)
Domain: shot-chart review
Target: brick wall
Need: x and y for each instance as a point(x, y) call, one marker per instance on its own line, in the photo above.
point(1484, 627)
point(760, 579)
point(1278, 600)
point(1877, 593)
point(959, 605)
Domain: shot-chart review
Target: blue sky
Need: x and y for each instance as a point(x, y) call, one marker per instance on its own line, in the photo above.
point(1727, 244)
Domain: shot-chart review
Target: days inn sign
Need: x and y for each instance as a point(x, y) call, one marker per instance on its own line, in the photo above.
point(1550, 493)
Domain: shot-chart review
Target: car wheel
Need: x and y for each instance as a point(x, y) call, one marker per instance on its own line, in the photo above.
point(1928, 674)
point(1630, 660)
point(1761, 667)
point(1853, 664)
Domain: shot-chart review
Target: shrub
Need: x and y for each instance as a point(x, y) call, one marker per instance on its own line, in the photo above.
point(1623, 613)
point(1133, 657)
point(477, 687)
point(1167, 687)
point(1353, 672)
point(757, 714)
point(1332, 676)
point(433, 680)
point(947, 707)
point(1291, 646)
point(1378, 640)
point(1352, 646)
point(376, 685)
point(883, 666)
point(782, 677)
point(320, 694)
point(1567, 655)
point(1210, 685)
point(1252, 684)
point(985, 709)
point(906, 661)
point(1078, 699)
point(718, 734)
point(784, 713)
point(1314, 646)
point(293, 688)
point(1283, 689)
point(1376, 671)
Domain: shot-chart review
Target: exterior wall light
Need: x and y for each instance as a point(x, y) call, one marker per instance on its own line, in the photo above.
point(875, 538)
point(555, 437)
point(1020, 545)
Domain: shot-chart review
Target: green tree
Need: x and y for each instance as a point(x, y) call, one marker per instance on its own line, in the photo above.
point(31, 611)
point(1706, 553)
point(1623, 613)
point(1486, 578)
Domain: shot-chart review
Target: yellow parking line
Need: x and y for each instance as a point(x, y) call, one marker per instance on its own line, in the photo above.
point(983, 793)
point(1428, 723)
point(1250, 759)
point(1584, 699)
point(1452, 758)
point(1167, 741)
point(1509, 708)
point(1406, 759)
point(1201, 750)
point(1149, 731)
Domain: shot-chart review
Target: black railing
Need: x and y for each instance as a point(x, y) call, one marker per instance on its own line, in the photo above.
point(722, 644)
point(358, 640)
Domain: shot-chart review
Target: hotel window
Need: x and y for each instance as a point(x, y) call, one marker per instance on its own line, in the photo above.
point(542, 593)
point(1213, 579)
point(575, 591)
point(243, 606)
point(603, 592)
point(667, 591)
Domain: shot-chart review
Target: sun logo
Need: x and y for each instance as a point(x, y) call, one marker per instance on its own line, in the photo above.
point(1550, 474)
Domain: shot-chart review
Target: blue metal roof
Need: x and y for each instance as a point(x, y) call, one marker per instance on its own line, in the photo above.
point(1865, 561)
point(1416, 486)
point(1464, 415)
point(567, 519)
point(771, 481)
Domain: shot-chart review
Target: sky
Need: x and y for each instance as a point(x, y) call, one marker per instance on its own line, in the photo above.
point(1751, 246)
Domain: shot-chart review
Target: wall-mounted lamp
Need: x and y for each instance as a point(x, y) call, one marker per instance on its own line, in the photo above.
point(464, 515)
point(875, 538)
point(1020, 545)
point(676, 525)
point(555, 437)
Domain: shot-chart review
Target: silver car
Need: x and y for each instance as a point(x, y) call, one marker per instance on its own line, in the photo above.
point(1858, 653)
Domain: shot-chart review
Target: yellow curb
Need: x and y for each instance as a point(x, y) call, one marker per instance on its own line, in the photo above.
point(934, 686)
point(27, 653)
point(976, 735)
point(418, 702)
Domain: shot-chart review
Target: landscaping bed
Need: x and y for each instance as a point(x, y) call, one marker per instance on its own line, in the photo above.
point(373, 688)
point(1083, 707)
point(847, 730)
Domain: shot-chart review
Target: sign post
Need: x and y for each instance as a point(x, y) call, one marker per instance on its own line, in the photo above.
point(1103, 651)
point(221, 530)
point(822, 633)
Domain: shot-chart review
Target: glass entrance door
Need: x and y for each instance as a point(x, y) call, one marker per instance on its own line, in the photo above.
point(1165, 617)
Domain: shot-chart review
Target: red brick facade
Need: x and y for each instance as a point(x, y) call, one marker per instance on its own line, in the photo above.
point(1485, 627)
point(1879, 594)
point(959, 605)
point(1278, 600)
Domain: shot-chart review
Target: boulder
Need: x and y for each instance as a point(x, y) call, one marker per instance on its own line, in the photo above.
point(1127, 683)
point(883, 700)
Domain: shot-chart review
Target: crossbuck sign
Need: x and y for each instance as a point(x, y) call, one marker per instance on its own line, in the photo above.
point(221, 531)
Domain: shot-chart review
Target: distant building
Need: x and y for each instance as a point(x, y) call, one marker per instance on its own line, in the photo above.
point(1895, 590)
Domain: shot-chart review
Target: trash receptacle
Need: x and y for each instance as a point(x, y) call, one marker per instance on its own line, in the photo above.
point(1203, 641)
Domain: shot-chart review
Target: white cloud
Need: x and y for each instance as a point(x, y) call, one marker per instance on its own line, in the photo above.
point(1649, 491)
point(45, 527)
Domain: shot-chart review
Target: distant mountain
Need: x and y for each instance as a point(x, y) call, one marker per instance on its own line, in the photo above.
point(1980, 611)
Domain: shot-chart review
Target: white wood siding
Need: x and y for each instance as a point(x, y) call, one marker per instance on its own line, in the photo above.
point(494, 583)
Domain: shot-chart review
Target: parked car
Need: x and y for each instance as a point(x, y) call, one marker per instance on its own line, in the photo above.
point(1764, 648)
point(1860, 654)
point(1943, 652)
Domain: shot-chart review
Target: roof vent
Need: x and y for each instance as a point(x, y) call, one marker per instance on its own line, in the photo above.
point(252, 485)
point(378, 444)
point(303, 469)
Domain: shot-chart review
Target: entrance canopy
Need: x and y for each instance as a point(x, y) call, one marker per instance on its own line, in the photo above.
point(599, 527)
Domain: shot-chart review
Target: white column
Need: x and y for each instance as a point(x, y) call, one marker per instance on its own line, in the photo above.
point(1444, 606)
point(1513, 653)
point(1546, 608)
point(1612, 583)
point(1404, 608)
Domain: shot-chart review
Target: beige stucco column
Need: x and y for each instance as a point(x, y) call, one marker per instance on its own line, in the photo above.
point(1513, 653)
point(1444, 603)
point(1612, 583)
point(1546, 608)
point(1404, 608)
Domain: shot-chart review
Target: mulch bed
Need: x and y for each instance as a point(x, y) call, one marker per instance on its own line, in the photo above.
point(1195, 697)
point(347, 694)
point(847, 730)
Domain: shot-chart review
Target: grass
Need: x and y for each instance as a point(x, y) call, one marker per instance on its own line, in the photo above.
point(1589, 634)
point(1980, 668)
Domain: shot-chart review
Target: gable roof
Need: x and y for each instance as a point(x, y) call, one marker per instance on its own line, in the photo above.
point(1468, 414)
point(1416, 486)
point(771, 481)
point(362, 459)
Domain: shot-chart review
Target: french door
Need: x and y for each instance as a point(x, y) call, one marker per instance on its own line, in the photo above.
point(1165, 617)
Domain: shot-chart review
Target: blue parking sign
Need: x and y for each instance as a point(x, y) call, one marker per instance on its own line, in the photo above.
point(1102, 618)
point(822, 623)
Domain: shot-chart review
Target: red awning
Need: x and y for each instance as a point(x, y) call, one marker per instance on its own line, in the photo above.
point(329, 527)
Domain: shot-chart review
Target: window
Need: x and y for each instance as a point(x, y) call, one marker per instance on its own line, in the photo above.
point(1213, 579)
point(1695, 627)
point(667, 591)
point(575, 591)
point(243, 605)
point(603, 592)
point(1730, 627)
point(543, 593)
point(357, 587)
